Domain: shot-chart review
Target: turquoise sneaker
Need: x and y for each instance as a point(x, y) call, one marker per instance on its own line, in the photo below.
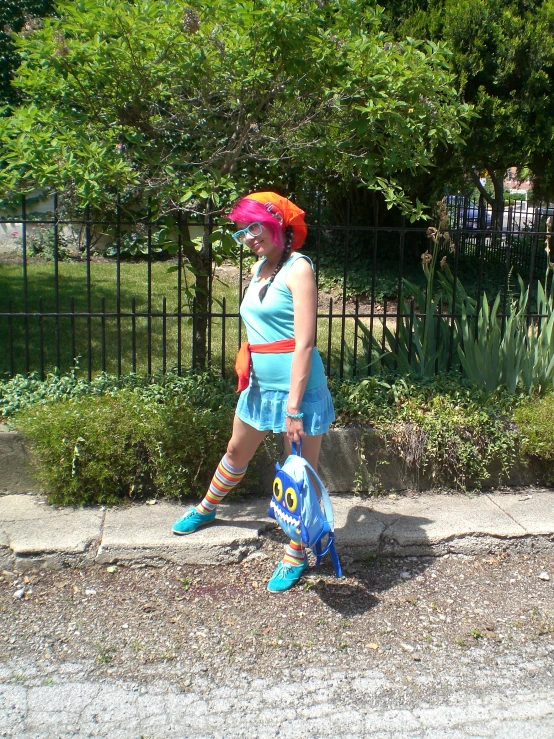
point(191, 521)
point(285, 576)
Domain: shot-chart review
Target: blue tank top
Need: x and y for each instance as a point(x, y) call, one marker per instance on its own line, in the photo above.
point(273, 320)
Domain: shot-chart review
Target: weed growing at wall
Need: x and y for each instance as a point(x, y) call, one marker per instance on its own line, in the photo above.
point(444, 427)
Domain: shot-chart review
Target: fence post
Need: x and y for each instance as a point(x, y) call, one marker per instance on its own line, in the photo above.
point(329, 337)
point(25, 282)
point(373, 275)
point(194, 311)
point(317, 256)
point(210, 286)
point(400, 303)
point(103, 332)
point(57, 283)
point(89, 297)
point(118, 282)
point(179, 290)
point(452, 316)
point(73, 342)
point(41, 337)
point(356, 319)
point(164, 334)
point(133, 335)
point(149, 292)
point(223, 316)
point(10, 334)
point(344, 280)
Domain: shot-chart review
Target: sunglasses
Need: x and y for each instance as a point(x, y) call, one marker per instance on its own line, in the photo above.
point(253, 229)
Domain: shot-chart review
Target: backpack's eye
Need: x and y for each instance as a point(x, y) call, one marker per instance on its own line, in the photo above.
point(291, 499)
point(277, 489)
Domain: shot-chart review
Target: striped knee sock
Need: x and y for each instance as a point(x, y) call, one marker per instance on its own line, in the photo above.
point(226, 477)
point(295, 554)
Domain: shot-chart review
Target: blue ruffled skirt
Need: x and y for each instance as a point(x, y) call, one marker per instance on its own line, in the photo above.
point(265, 409)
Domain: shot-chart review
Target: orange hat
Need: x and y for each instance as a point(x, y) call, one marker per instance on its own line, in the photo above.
point(292, 214)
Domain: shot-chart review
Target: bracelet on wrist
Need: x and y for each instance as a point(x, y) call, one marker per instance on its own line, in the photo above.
point(294, 415)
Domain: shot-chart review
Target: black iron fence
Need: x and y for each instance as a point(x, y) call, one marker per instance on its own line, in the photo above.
point(118, 296)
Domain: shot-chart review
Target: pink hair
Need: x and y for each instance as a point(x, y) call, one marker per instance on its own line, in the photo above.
point(249, 211)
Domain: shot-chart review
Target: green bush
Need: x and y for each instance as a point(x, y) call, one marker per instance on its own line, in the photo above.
point(206, 389)
point(444, 426)
point(116, 439)
point(513, 197)
point(93, 449)
point(534, 418)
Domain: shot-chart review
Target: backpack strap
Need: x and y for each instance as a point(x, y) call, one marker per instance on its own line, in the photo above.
point(335, 558)
point(323, 495)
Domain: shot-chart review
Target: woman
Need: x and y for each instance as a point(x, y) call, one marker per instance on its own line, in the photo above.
point(281, 374)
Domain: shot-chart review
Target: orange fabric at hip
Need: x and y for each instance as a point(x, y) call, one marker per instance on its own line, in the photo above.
point(243, 360)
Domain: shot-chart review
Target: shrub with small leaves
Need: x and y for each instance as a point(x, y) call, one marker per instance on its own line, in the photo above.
point(534, 418)
point(121, 438)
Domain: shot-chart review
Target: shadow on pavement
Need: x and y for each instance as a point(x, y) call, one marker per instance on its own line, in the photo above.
point(367, 542)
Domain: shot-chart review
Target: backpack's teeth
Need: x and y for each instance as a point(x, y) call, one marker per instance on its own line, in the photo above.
point(286, 517)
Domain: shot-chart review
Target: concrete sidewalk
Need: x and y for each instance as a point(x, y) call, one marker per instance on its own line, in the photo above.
point(34, 535)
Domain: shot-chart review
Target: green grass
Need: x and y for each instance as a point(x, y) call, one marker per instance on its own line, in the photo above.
point(111, 341)
point(105, 333)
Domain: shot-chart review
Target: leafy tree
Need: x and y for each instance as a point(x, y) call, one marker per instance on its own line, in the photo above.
point(195, 104)
point(503, 56)
point(16, 15)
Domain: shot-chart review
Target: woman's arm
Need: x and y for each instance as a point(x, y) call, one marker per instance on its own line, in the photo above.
point(301, 283)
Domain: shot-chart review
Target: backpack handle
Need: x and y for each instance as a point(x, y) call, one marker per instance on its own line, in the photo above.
point(297, 448)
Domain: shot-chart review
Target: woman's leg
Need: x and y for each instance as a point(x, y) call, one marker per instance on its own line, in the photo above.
point(241, 448)
point(244, 442)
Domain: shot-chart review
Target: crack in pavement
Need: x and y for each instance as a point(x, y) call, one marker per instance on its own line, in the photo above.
point(100, 535)
point(149, 709)
point(521, 526)
point(381, 540)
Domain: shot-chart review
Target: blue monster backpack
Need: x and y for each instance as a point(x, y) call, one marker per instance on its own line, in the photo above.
point(301, 506)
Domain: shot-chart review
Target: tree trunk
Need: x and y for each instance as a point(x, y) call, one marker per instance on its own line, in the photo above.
point(200, 264)
point(200, 321)
point(497, 179)
point(496, 203)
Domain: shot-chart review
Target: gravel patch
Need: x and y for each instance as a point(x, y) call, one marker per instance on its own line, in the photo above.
point(435, 624)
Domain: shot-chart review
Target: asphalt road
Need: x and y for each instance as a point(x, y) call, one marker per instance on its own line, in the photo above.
point(450, 647)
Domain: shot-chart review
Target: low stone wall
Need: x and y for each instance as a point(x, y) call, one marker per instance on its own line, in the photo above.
point(352, 459)
point(355, 458)
point(15, 473)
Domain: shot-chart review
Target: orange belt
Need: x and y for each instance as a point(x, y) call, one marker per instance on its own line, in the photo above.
point(244, 360)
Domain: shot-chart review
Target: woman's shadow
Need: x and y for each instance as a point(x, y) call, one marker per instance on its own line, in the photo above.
point(365, 539)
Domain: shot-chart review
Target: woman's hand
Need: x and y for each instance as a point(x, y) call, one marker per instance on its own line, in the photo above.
point(295, 429)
